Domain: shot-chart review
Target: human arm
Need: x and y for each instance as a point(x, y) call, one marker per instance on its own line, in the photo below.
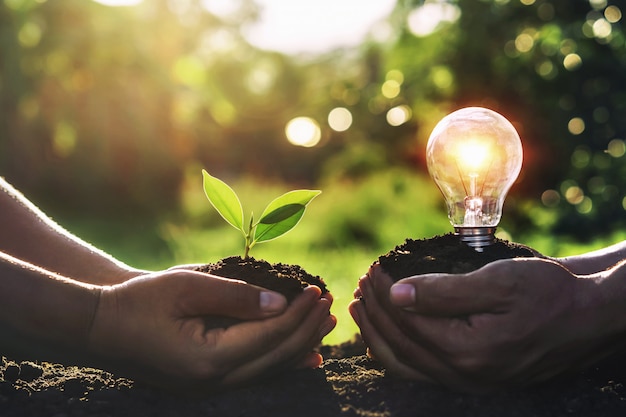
point(153, 328)
point(511, 323)
point(595, 261)
point(31, 236)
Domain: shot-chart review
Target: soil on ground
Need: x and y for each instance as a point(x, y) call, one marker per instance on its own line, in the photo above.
point(347, 384)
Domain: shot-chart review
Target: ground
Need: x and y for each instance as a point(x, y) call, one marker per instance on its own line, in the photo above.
point(348, 385)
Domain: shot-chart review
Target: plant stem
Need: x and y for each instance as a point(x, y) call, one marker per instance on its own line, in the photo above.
point(248, 236)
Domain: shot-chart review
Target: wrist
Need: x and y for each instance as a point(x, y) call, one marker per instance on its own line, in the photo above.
point(44, 313)
point(612, 286)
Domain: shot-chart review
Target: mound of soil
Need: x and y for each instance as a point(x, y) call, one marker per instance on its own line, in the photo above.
point(286, 279)
point(446, 254)
point(347, 384)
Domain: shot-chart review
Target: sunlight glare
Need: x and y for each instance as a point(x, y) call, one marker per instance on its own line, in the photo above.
point(222, 8)
point(303, 131)
point(315, 26)
point(116, 3)
point(426, 19)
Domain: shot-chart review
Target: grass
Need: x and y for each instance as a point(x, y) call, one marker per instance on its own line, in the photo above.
point(344, 230)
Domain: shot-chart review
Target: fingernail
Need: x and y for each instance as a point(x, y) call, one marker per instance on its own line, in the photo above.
point(271, 302)
point(402, 295)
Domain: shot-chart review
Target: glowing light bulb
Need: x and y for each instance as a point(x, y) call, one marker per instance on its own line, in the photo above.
point(474, 155)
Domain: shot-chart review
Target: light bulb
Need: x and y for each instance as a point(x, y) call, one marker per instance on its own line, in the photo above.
point(474, 155)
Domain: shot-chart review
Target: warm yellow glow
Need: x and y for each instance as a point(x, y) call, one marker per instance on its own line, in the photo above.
point(613, 14)
point(576, 126)
point(616, 148)
point(303, 131)
point(399, 115)
point(473, 155)
point(390, 89)
point(524, 42)
point(340, 119)
point(395, 75)
point(572, 61)
point(574, 195)
point(602, 28)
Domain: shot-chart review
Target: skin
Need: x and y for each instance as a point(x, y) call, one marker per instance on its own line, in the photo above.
point(511, 323)
point(64, 300)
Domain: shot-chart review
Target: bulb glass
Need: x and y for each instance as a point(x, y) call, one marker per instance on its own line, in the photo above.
point(474, 155)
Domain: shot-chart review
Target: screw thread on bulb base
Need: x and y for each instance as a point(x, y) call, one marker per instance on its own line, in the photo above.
point(476, 237)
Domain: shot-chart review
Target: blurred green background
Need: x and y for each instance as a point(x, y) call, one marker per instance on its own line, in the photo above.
point(108, 115)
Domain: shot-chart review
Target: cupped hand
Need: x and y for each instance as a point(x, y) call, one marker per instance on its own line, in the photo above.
point(512, 322)
point(154, 328)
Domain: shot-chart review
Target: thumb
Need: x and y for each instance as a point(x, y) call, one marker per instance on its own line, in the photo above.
point(206, 294)
point(452, 294)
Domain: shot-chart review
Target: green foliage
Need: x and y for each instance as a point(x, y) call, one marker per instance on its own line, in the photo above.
point(107, 120)
point(279, 217)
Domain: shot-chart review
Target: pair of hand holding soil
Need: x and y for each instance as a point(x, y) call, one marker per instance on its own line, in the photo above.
point(64, 300)
point(513, 321)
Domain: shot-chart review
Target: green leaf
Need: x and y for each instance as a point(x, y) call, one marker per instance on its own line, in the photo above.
point(224, 199)
point(283, 214)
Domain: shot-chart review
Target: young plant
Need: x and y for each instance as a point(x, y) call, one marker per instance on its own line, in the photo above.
point(279, 217)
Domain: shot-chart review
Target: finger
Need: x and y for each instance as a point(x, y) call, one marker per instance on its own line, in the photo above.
point(357, 291)
point(379, 349)
point(329, 297)
point(289, 351)
point(246, 341)
point(311, 360)
point(204, 294)
point(189, 267)
point(402, 332)
point(488, 289)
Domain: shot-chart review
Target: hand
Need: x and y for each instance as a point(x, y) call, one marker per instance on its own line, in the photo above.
point(512, 322)
point(154, 326)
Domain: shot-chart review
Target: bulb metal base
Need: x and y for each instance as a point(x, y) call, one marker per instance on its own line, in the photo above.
point(476, 237)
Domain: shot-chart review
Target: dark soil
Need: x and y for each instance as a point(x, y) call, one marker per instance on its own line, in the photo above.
point(286, 279)
point(446, 254)
point(347, 384)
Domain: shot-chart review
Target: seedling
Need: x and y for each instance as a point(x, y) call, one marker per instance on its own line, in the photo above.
point(279, 217)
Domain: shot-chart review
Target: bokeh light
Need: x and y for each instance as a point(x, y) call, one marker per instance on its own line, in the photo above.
point(390, 89)
point(399, 115)
point(616, 148)
point(340, 119)
point(572, 61)
point(613, 14)
point(303, 131)
point(576, 126)
point(550, 198)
